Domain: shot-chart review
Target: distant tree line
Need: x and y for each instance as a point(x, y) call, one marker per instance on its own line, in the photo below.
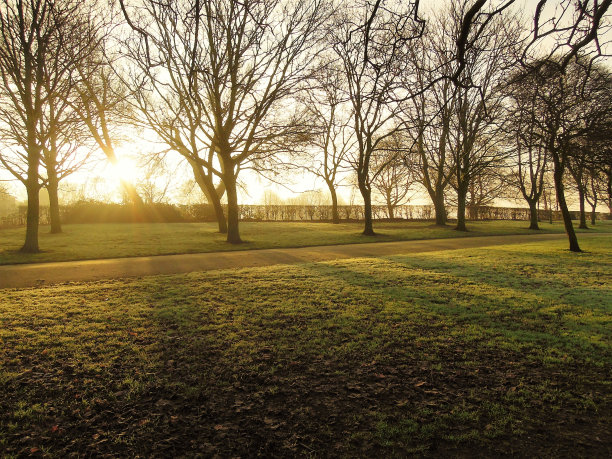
point(104, 212)
point(465, 103)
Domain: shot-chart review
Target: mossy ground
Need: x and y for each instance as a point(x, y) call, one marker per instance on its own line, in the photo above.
point(493, 351)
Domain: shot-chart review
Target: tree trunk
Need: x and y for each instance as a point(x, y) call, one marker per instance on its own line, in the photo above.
point(438, 202)
point(567, 218)
point(33, 213)
point(208, 188)
point(213, 198)
point(461, 198)
point(334, 198)
point(533, 214)
point(366, 193)
point(233, 233)
point(32, 187)
point(583, 224)
point(54, 211)
point(390, 209)
point(593, 213)
point(547, 206)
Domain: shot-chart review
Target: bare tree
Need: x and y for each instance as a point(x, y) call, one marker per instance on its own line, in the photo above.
point(330, 118)
point(157, 181)
point(64, 137)
point(393, 176)
point(65, 147)
point(572, 104)
point(603, 147)
point(223, 73)
point(484, 189)
point(474, 136)
point(37, 53)
point(575, 28)
point(595, 186)
point(166, 60)
point(371, 41)
point(530, 156)
point(427, 114)
point(578, 166)
point(101, 102)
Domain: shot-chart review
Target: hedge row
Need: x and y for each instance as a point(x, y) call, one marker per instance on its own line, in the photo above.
point(101, 212)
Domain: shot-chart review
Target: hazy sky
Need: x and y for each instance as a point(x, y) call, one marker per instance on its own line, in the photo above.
point(105, 177)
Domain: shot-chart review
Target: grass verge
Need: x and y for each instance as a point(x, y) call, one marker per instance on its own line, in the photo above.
point(91, 241)
point(492, 351)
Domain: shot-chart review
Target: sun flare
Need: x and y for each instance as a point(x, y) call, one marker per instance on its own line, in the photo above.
point(125, 170)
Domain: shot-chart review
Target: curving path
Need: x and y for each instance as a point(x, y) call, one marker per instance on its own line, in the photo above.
point(39, 274)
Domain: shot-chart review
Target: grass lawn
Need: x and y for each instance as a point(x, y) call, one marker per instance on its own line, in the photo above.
point(81, 242)
point(492, 351)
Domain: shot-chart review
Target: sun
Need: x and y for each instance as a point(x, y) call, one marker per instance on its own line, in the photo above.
point(126, 170)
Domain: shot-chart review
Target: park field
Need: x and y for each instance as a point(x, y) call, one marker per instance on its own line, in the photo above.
point(93, 241)
point(498, 351)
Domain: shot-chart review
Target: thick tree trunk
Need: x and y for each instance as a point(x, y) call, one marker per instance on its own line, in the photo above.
point(32, 187)
point(54, 211)
point(440, 210)
point(334, 199)
point(33, 213)
point(366, 193)
point(567, 218)
point(583, 223)
point(461, 198)
point(533, 214)
point(233, 233)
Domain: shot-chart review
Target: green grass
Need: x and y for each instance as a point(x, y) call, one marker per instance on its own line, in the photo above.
point(495, 351)
point(81, 242)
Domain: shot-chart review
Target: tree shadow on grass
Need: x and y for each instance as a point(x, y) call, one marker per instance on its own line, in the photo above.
point(347, 358)
point(512, 302)
point(479, 345)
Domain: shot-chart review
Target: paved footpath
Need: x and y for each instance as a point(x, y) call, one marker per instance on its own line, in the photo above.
point(40, 274)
